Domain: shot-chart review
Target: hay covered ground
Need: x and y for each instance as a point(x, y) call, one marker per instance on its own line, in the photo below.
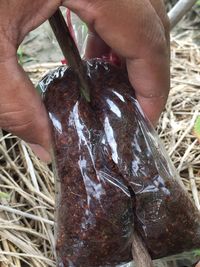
point(27, 184)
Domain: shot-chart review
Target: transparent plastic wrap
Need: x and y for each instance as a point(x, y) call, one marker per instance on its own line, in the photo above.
point(113, 177)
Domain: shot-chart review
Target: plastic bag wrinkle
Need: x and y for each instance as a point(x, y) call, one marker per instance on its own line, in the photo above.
point(114, 174)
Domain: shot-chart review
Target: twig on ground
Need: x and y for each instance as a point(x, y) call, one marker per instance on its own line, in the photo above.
point(140, 253)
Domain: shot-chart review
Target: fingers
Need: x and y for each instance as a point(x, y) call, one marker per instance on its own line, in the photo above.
point(150, 78)
point(160, 10)
point(151, 75)
point(135, 31)
point(17, 18)
point(95, 47)
point(21, 109)
point(139, 32)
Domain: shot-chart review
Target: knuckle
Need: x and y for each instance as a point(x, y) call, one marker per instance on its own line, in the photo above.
point(16, 120)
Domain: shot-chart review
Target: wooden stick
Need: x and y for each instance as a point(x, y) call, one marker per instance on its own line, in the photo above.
point(140, 253)
point(69, 50)
point(179, 10)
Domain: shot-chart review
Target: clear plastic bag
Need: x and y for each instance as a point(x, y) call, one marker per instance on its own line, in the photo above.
point(113, 176)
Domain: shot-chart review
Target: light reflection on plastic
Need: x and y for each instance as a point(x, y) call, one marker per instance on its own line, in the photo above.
point(114, 108)
point(111, 139)
point(119, 96)
point(93, 189)
point(56, 122)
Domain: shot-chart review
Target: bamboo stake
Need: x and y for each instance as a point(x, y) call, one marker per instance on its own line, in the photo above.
point(179, 10)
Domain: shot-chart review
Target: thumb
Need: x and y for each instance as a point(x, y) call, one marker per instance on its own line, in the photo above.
point(21, 109)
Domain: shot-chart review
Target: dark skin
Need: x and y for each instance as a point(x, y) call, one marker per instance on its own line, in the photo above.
point(138, 31)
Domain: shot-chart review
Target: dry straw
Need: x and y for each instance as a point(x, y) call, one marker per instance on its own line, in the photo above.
point(182, 110)
point(27, 185)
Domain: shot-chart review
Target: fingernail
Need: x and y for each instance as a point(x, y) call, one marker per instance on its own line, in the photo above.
point(41, 153)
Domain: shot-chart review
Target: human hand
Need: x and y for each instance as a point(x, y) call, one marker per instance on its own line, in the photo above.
point(21, 108)
point(138, 31)
point(144, 46)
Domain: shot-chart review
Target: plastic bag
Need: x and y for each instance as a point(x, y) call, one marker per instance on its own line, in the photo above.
point(113, 177)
